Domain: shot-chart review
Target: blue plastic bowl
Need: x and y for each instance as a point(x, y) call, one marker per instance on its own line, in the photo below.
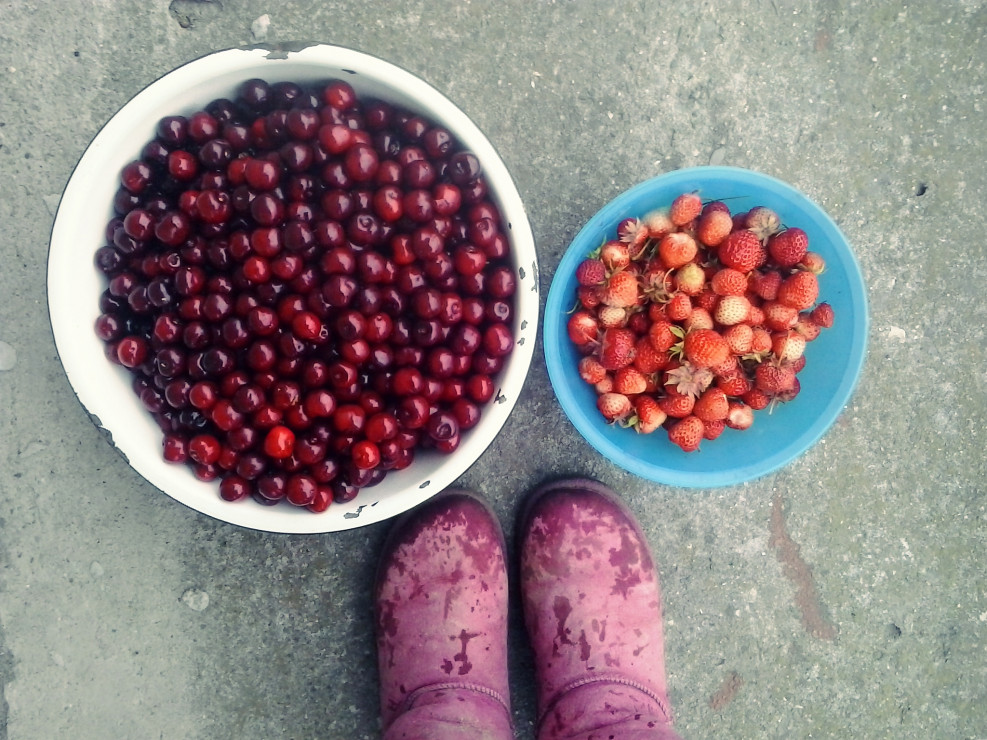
point(833, 361)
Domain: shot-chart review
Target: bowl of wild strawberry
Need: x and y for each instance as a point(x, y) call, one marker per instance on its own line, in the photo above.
point(295, 287)
point(706, 327)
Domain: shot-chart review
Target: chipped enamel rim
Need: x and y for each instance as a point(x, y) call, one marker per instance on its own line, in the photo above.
point(74, 284)
point(834, 360)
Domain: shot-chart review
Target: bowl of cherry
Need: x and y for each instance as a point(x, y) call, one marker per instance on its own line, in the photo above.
point(296, 288)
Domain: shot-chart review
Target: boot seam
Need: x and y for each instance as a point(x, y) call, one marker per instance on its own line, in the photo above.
point(412, 697)
point(605, 678)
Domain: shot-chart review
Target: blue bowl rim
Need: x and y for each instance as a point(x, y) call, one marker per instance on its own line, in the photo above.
point(560, 300)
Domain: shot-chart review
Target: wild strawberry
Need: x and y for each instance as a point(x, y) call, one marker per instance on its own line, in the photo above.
point(760, 341)
point(648, 416)
point(713, 429)
point(728, 367)
point(822, 316)
point(712, 405)
point(647, 359)
point(739, 415)
point(734, 384)
point(615, 255)
point(706, 299)
point(658, 224)
point(786, 396)
point(656, 312)
point(605, 385)
point(798, 364)
point(773, 379)
point(630, 381)
point(637, 322)
point(789, 247)
point(732, 309)
point(813, 262)
point(742, 250)
point(690, 279)
point(656, 283)
point(613, 406)
point(621, 290)
point(762, 221)
point(633, 234)
point(756, 399)
point(765, 284)
point(591, 371)
point(676, 405)
point(787, 345)
point(688, 380)
point(728, 281)
point(778, 316)
point(713, 227)
point(616, 348)
point(799, 291)
point(677, 249)
point(807, 327)
point(685, 208)
point(589, 295)
point(583, 328)
point(591, 271)
point(705, 347)
point(687, 433)
point(739, 338)
point(679, 307)
point(756, 315)
point(716, 205)
point(611, 316)
point(700, 318)
point(661, 336)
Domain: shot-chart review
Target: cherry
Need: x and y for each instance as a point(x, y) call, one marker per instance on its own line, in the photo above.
point(412, 412)
point(365, 455)
point(279, 442)
point(339, 95)
point(132, 352)
point(204, 449)
point(262, 174)
point(446, 199)
point(234, 488)
point(273, 486)
point(323, 499)
point(175, 448)
point(136, 176)
point(464, 168)
point(182, 165)
point(498, 340)
point(306, 325)
point(301, 489)
point(319, 403)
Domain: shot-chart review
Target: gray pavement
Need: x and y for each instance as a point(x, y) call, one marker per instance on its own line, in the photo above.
point(842, 596)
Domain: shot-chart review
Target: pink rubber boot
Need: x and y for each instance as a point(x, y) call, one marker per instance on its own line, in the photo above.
point(441, 624)
point(592, 608)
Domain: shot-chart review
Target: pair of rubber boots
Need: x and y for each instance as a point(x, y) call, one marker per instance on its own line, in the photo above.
point(592, 608)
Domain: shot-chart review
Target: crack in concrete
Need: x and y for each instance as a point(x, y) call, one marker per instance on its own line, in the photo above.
point(799, 573)
point(727, 691)
point(6, 665)
point(190, 12)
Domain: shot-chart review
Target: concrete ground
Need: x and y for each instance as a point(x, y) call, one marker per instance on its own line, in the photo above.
point(842, 596)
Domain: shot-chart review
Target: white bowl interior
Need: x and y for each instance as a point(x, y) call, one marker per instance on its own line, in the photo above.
point(74, 283)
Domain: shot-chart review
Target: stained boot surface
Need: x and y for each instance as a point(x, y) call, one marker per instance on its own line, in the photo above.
point(592, 608)
point(441, 623)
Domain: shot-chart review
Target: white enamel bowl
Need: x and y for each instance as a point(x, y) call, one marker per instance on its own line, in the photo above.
point(74, 284)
